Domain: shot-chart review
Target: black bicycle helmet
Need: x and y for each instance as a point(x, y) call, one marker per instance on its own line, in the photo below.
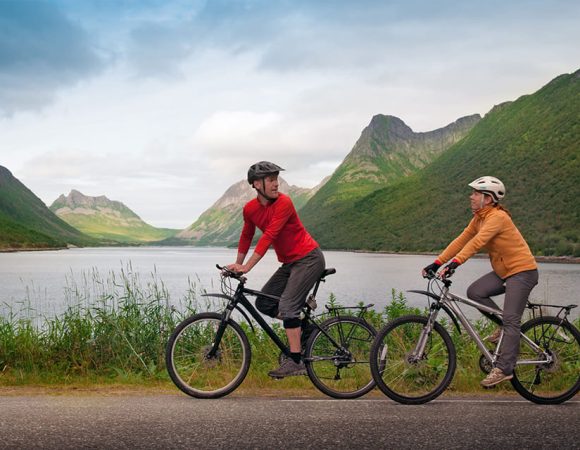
point(261, 170)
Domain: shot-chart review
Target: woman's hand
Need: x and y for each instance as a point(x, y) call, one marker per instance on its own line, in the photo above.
point(431, 269)
point(449, 269)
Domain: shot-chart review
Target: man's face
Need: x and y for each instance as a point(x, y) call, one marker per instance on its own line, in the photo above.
point(270, 186)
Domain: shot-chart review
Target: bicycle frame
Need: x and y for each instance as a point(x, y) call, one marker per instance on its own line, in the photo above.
point(450, 303)
point(239, 298)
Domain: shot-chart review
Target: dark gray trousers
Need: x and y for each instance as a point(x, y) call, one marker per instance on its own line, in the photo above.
point(517, 289)
point(291, 282)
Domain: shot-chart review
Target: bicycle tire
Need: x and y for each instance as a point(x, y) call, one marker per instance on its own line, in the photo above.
point(344, 372)
point(559, 381)
point(404, 381)
point(187, 362)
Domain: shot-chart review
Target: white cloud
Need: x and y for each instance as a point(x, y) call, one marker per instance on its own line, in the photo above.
point(194, 92)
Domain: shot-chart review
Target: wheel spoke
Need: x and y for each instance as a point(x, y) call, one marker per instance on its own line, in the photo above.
point(558, 380)
point(401, 375)
point(343, 371)
point(198, 374)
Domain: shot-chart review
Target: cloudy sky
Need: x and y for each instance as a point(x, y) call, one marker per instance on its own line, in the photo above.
point(163, 104)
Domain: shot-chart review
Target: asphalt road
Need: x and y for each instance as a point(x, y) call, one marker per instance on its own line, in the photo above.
point(177, 421)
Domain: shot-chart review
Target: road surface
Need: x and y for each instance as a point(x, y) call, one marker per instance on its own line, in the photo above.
point(177, 421)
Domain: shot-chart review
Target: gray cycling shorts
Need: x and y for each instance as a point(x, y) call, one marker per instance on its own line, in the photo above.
point(291, 282)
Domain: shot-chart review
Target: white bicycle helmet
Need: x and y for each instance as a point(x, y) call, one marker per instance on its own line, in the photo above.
point(489, 185)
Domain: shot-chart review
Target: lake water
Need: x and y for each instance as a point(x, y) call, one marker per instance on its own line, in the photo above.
point(38, 279)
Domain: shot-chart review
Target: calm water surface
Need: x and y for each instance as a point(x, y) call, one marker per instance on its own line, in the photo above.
point(38, 279)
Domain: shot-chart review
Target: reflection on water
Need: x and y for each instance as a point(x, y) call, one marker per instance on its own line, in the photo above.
point(41, 277)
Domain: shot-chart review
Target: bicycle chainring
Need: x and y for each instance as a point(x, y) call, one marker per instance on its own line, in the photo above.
point(485, 365)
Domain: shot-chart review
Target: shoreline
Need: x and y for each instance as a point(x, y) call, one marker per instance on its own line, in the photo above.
point(540, 259)
point(31, 249)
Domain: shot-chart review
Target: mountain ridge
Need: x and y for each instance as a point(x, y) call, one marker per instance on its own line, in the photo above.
point(103, 218)
point(531, 144)
point(26, 222)
point(386, 151)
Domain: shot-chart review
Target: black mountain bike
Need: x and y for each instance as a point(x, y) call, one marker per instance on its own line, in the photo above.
point(208, 355)
point(413, 358)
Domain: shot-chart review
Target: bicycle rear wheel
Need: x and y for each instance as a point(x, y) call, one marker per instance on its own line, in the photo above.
point(191, 367)
point(554, 382)
point(338, 362)
point(405, 377)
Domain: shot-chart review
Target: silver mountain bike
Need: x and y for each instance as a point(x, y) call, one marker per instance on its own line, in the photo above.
point(413, 358)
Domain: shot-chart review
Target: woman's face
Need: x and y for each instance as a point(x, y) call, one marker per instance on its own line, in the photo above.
point(479, 200)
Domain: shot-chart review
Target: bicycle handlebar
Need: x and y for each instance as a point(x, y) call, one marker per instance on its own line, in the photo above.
point(431, 275)
point(230, 273)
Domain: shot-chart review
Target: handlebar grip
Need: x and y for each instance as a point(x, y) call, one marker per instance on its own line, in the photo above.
point(229, 273)
point(430, 274)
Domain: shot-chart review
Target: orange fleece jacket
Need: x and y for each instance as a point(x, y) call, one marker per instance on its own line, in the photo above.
point(492, 228)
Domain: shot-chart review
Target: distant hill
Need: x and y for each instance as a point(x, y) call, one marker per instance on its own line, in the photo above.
point(106, 219)
point(387, 151)
point(220, 225)
point(532, 144)
point(26, 222)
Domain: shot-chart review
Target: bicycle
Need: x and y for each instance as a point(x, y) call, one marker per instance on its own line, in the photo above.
point(413, 358)
point(208, 354)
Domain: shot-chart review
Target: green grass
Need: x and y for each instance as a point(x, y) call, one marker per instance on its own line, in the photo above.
point(116, 326)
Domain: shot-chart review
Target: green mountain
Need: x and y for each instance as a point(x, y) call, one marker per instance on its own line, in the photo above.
point(26, 222)
point(220, 225)
point(386, 151)
point(531, 144)
point(106, 219)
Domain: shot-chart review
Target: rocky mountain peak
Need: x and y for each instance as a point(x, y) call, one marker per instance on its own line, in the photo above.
point(389, 127)
point(388, 137)
point(76, 200)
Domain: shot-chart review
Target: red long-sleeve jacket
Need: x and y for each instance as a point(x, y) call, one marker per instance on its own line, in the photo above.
point(281, 228)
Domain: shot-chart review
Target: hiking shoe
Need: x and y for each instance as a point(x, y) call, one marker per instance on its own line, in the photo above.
point(494, 337)
point(495, 376)
point(288, 368)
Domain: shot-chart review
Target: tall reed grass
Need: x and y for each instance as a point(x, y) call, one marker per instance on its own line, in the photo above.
point(114, 326)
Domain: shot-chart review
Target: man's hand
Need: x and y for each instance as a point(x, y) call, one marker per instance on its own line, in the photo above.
point(239, 268)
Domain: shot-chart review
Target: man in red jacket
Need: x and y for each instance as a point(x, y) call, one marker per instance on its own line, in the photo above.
point(302, 260)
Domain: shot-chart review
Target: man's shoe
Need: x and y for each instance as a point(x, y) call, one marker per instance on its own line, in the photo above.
point(495, 376)
point(494, 337)
point(288, 368)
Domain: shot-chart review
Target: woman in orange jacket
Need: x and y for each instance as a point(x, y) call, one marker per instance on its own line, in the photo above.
point(515, 271)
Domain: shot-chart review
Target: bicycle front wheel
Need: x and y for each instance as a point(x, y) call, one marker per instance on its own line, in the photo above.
point(401, 374)
point(192, 367)
point(337, 358)
point(558, 379)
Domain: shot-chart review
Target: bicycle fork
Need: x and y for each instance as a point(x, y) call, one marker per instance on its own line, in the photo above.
point(220, 331)
point(419, 350)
